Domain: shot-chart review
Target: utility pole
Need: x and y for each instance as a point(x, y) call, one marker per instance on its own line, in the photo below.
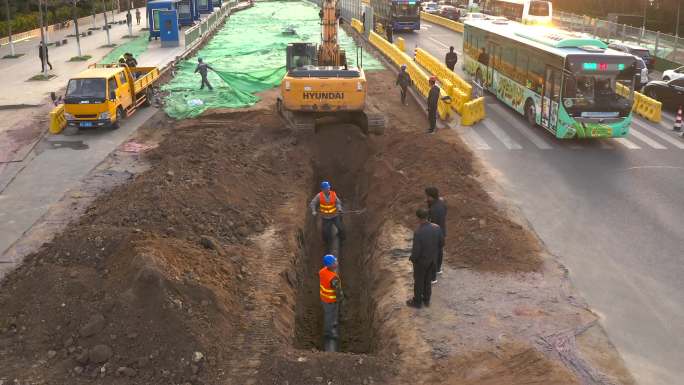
point(106, 24)
point(74, 13)
point(43, 46)
point(9, 28)
point(679, 7)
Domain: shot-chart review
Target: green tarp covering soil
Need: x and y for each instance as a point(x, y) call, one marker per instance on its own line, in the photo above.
point(248, 56)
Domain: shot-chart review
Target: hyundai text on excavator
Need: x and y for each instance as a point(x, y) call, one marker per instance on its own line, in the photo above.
point(319, 82)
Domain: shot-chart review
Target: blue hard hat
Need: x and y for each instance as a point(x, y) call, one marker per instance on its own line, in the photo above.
point(325, 185)
point(329, 260)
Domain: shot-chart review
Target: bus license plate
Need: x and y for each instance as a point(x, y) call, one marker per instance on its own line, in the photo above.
point(86, 124)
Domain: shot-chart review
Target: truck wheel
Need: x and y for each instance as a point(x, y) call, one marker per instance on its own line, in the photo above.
point(148, 97)
point(119, 117)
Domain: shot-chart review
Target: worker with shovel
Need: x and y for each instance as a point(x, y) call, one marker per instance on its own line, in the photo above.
point(329, 205)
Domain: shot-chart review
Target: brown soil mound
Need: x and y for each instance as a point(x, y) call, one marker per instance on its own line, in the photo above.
point(202, 269)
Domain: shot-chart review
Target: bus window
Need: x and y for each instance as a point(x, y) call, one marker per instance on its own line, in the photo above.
point(556, 85)
point(507, 63)
point(539, 8)
point(521, 67)
point(535, 74)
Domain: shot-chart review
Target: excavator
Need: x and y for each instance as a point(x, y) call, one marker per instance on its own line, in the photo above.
point(320, 83)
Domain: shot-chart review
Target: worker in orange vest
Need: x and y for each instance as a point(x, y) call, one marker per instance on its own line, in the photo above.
point(329, 205)
point(331, 295)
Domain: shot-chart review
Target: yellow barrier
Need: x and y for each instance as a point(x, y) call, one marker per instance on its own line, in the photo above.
point(622, 90)
point(459, 89)
point(647, 107)
point(401, 44)
point(473, 112)
point(418, 76)
point(357, 25)
point(57, 119)
point(444, 22)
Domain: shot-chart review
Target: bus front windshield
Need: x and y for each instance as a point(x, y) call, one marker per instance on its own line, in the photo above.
point(400, 10)
point(539, 8)
point(594, 90)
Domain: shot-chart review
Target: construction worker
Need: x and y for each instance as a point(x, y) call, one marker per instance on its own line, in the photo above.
point(437, 211)
point(130, 60)
point(403, 81)
point(329, 205)
point(451, 59)
point(203, 68)
point(427, 240)
point(331, 295)
point(432, 100)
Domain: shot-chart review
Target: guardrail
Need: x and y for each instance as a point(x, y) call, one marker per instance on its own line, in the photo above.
point(357, 25)
point(444, 22)
point(195, 33)
point(459, 89)
point(418, 76)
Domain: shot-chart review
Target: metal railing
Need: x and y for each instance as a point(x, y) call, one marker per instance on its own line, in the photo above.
point(664, 46)
point(195, 33)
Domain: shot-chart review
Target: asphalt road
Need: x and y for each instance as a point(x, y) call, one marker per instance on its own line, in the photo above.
point(612, 211)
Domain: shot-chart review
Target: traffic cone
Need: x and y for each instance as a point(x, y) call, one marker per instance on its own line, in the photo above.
point(678, 120)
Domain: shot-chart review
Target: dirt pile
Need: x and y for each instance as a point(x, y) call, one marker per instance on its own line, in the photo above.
point(202, 269)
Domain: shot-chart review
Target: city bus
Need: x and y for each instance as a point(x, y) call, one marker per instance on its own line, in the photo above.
point(401, 14)
point(524, 11)
point(561, 81)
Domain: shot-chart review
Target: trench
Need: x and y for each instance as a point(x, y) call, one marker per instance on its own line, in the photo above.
point(341, 155)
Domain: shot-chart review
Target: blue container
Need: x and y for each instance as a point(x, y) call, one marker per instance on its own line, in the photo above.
point(153, 8)
point(168, 28)
point(205, 6)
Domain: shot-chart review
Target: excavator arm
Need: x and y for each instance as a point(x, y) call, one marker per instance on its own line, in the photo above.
point(329, 51)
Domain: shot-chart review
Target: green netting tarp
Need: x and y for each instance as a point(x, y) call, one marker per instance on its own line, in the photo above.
point(248, 56)
point(135, 46)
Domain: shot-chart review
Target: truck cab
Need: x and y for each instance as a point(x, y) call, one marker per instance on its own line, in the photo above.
point(102, 96)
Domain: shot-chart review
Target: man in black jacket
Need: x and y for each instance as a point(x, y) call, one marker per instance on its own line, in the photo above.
point(432, 100)
point(42, 48)
point(437, 211)
point(427, 240)
point(403, 81)
point(451, 59)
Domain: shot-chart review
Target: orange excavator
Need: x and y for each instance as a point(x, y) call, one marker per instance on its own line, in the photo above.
point(320, 83)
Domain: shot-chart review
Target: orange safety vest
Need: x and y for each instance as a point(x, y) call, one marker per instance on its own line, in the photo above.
point(328, 207)
point(328, 293)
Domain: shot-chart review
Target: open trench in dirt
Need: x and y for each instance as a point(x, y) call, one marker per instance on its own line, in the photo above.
point(346, 167)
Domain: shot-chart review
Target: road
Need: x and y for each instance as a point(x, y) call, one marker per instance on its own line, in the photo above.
point(611, 210)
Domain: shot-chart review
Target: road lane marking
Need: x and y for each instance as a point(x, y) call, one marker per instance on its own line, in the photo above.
point(634, 132)
point(605, 145)
point(438, 42)
point(471, 137)
point(502, 136)
point(523, 129)
point(627, 143)
point(673, 141)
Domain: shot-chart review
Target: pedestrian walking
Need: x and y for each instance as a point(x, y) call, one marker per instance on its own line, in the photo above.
point(432, 100)
point(43, 48)
point(403, 81)
point(129, 18)
point(390, 32)
point(330, 292)
point(137, 15)
point(437, 212)
point(451, 59)
point(203, 69)
point(427, 240)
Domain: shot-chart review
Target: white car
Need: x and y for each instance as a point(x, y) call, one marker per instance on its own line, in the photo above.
point(673, 74)
point(431, 7)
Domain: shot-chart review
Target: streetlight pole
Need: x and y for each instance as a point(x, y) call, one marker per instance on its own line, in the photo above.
point(679, 6)
point(9, 28)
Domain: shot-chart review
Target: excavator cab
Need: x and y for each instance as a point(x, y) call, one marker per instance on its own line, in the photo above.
point(301, 55)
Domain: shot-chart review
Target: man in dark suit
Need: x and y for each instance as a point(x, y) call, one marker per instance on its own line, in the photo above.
point(427, 241)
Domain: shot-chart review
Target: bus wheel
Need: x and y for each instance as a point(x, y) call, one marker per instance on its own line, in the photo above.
point(530, 113)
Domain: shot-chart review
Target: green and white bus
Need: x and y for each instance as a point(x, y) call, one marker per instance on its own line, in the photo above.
point(561, 81)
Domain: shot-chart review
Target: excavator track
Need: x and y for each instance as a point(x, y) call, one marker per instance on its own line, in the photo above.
point(298, 121)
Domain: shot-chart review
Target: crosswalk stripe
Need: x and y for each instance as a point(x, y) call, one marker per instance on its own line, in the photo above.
point(470, 135)
point(502, 136)
point(673, 141)
point(525, 130)
point(627, 143)
point(438, 42)
point(634, 132)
